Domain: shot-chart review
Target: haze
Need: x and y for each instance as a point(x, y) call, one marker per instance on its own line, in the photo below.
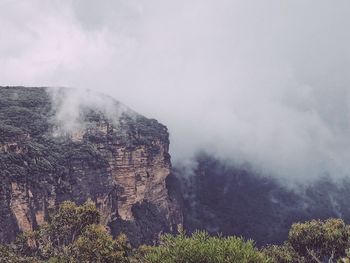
point(259, 82)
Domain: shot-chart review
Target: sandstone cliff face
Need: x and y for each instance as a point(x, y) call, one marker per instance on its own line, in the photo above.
point(122, 164)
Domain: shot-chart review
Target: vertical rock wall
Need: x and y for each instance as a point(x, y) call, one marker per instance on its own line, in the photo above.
point(121, 164)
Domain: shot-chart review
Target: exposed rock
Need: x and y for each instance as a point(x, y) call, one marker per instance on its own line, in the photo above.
point(121, 163)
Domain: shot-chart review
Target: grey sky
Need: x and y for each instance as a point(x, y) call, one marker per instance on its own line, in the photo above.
point(260, 81)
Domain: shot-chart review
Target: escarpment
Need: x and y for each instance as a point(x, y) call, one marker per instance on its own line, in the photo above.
point(119, 159)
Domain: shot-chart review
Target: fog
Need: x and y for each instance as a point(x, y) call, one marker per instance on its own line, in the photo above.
point(258, 82)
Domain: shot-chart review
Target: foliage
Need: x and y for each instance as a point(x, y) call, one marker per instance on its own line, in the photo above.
point(322, 238)
point(9, 132)
point(9, 255)
point(72, 234)
point(202, 248)
point(96, 245)
point(283, 254)
point(313, 241)
point(345, 259)
point(64, 227)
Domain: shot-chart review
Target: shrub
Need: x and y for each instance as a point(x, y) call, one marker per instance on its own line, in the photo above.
point(202, 248)
point(95, 245)
point(71, 235)
point(313, 241)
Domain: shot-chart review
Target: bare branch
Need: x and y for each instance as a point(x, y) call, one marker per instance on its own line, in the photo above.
point(332, 257)
point(313, 255)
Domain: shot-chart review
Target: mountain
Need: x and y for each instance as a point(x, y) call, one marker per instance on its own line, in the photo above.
point(222, 198)
point(117, 158)
point(59, 144)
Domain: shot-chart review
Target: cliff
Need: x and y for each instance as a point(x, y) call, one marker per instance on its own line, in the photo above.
point(120, 161)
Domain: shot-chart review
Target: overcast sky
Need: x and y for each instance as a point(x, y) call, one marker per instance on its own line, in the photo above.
point(264, 82)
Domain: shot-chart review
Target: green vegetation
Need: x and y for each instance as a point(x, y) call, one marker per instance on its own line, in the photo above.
point(200, 247)
point(313, 241)
point(74, 234)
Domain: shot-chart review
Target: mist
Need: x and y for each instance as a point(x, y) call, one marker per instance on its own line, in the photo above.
point(258, 82)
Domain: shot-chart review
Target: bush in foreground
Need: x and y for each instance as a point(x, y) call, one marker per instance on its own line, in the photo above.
point(73, 234)
point(202, 248)
point(313, 241)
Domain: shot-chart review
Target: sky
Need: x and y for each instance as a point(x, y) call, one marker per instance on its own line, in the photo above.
point(258, 82)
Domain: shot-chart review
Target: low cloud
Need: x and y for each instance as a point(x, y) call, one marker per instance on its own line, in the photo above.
point(260, 82)
point(71, 106)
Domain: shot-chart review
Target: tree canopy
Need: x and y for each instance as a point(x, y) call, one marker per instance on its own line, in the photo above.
point(74, 234)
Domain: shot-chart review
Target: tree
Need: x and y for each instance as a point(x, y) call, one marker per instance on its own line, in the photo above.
point(201, 248)
point(73, 235)
point(9, 255)
point(320, 240)
point(313, 241)
point(63, 228)
point(283, 254)
point(95, 245)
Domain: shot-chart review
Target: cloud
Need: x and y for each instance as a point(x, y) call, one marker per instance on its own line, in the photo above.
point(264, 82)
point(71, 105)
